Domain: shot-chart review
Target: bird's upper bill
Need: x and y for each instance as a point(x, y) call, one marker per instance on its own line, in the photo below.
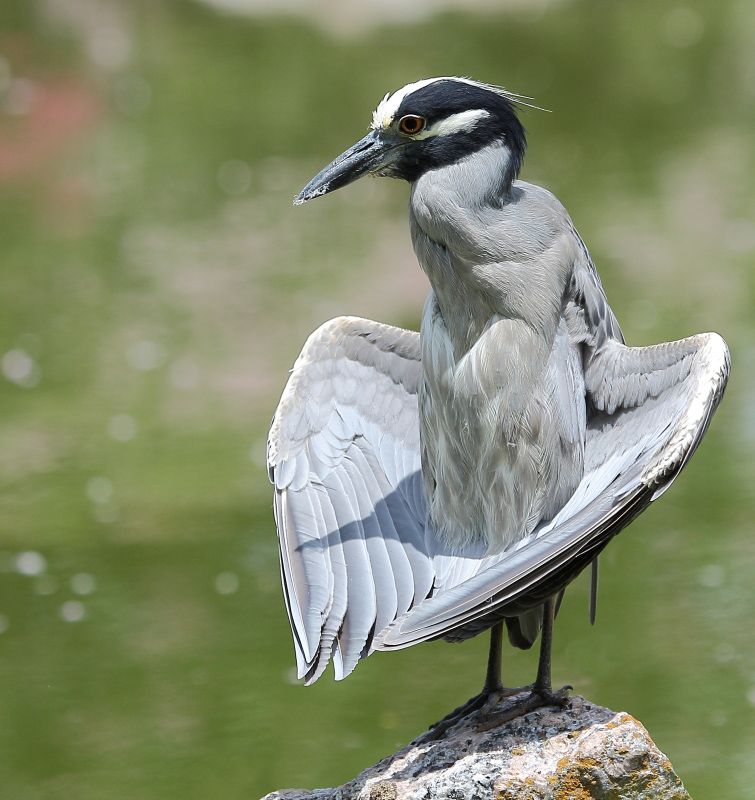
point(423, 126)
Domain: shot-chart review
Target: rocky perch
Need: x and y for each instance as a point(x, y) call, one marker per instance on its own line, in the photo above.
point(576, 753)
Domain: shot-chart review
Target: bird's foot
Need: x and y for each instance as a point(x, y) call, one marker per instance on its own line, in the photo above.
point(484, 702)
point(537, 698)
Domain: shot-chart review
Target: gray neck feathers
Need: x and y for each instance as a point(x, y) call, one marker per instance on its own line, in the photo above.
point(482, 178)
point(476, 236)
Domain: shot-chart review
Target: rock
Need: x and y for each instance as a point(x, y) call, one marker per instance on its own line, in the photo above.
point(574, 753)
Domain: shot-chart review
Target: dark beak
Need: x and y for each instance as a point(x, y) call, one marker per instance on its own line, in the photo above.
point(368, 155)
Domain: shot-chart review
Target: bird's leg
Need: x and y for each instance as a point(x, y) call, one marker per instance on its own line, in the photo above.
point(495, 656)
point(493, 690)
point(542, 684)
point(542, 693)
point(493, 687)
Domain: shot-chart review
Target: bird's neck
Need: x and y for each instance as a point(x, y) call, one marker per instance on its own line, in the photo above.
point(484, 177)
point(448, 210)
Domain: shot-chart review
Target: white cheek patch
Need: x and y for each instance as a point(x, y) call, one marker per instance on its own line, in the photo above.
point(456, 123)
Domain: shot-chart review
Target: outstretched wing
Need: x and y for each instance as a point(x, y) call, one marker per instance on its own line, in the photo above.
point(648, 410)
point(360, 569)
point(343, 455)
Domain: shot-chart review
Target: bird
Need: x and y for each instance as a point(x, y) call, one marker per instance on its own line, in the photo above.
point(440, 484)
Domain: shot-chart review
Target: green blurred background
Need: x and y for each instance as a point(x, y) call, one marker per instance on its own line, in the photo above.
point(156, 284)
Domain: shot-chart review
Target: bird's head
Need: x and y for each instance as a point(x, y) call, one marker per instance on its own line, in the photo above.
point(424, 126)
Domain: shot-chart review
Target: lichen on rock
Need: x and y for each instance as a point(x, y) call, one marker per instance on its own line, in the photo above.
point(582, 752)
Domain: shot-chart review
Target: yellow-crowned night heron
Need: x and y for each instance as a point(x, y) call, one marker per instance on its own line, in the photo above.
point(439, 484)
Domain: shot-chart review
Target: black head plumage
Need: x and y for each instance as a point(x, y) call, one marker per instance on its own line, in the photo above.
point(442, 99)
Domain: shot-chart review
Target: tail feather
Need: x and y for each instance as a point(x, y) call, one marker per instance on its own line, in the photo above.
point(524, 629)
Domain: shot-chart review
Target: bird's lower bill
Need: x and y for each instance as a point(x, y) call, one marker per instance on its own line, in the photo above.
point(371, 155)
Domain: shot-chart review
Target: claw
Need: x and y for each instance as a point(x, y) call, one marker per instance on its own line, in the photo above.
point(484, 702)
point(537, 698)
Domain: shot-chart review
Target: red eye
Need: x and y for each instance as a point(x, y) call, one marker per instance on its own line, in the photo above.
point(411, 124)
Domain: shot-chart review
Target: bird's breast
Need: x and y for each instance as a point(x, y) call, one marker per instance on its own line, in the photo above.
point(497, 451)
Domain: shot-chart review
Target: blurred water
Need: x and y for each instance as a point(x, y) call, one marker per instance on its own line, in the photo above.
point(156, 285)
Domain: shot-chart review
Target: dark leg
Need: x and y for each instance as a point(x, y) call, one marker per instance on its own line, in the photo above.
point(493, 674)
point(543, 681)
point(542, 693)
point(492, 692)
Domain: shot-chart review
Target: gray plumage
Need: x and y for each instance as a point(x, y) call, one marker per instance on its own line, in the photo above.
point(429, 485)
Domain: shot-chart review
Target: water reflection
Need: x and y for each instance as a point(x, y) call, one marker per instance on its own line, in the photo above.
point(156, 286)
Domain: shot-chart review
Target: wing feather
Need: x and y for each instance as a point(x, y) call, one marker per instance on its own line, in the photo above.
point(361, 604)
point(401, 573)
point(309, 566)
point(328, 638)
point(381, 572)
